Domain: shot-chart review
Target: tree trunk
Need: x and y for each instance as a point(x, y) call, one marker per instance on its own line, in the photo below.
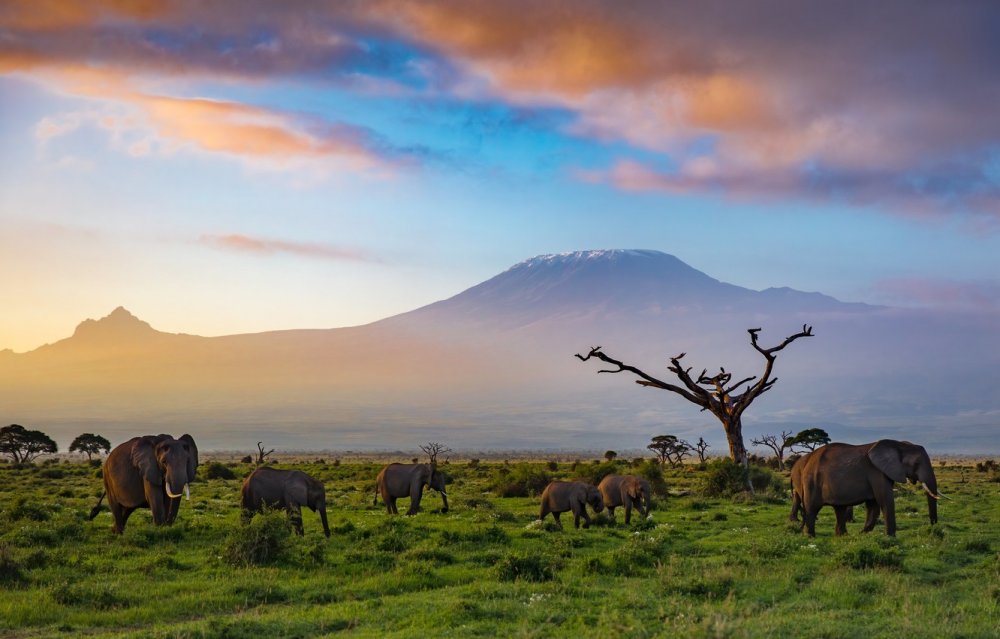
point(737, 449)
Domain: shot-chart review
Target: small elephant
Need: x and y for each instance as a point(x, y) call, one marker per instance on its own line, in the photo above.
point(844, 475)
point(152, 472)
point(796, 480)
point(560, 496)
point(288, 489)
point(628, 491)
point(408, 480)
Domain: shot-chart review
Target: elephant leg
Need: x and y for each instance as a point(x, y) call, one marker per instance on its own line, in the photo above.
point(889, 510)
point(390, 505)
point(809, 520)
point(796, 507)
point(414, 502)
point(628, 512)
point(118, 512)
point(841, 513)
point(555, 515)
point(611, 511)
point(850, 514)
point(871, 515)
point(295, 515)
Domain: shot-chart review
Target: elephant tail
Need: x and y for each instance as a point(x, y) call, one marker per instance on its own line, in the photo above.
point(97, 507)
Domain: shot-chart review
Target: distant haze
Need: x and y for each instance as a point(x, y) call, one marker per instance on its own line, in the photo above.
point(493, 368)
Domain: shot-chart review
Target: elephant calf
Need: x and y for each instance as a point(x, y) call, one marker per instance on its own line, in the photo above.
point(288, 489)
point(627, 491)
point(408, 480)
point(560, 496)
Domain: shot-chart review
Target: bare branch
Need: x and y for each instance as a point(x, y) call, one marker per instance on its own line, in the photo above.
point(648, 380)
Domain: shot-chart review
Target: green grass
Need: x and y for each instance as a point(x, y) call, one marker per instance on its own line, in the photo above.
point(701, 567)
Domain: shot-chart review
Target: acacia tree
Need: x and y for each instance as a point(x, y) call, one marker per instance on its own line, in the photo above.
point(24, 445)
point(433, 449)
point(716, 394)
point(810, 439)
point(90, 444)
point(778, 443)
point(669, 448)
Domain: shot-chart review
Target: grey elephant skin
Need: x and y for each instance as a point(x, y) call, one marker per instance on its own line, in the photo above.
point(844, 475)
point(572, 496)
point(152, 472)
point(408, 480)
point(287, 489)
point(628, 491)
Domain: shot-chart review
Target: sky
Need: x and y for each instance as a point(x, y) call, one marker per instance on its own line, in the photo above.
point(231, 167)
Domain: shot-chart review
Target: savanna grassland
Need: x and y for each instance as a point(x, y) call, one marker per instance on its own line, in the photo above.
point(700, 567)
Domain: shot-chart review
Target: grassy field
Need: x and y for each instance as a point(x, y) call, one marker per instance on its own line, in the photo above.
point(700, 567)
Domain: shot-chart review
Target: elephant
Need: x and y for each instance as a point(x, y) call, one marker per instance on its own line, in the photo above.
point(145, 472)
point(628, 491)
point(843, 475)
point(288, 489)
point(560, 496)
point(796, 480)
point(408, 480)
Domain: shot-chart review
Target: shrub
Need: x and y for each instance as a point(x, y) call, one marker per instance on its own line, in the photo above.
point(652, 471)
point(521, 480)
point(98, 596)
point(261, 541)
point(25, 509)
point(10, 569)
point(725, 478)
point(526, 567)
point(869, 554)
point(217, 470)
point(594, 473)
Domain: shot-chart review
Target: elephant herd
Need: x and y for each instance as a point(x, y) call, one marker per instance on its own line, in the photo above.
point(153, 471)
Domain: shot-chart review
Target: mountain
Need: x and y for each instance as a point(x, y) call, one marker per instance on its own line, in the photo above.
point(493, 367)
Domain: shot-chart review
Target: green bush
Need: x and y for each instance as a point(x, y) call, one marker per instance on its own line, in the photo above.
point(594, 473)
point(25, 509)
point(725, 478)
point(261, 541)
point(516, 566)
point(521, 480)
point(881, 553)
point(217, 470)
point(10, 568)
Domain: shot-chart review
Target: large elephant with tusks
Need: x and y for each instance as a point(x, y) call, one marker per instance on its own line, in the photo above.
point(152, 472)
point(408, 480)
point(287, 489)
point(844, 475)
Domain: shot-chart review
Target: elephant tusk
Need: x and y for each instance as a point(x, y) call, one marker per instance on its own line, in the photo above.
point(930, 493)
point(170, 493)
point(941, 494)
point(187, 492)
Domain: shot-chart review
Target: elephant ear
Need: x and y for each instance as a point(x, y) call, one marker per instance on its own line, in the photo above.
point(144, 459)
point(885, 455)
point(192, 465)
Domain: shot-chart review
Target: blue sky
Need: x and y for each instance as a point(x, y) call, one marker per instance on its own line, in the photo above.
point(234, 167)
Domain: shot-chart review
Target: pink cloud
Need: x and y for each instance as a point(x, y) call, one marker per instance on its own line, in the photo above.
point(267, 246)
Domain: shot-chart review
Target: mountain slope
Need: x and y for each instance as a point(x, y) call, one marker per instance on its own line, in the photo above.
point(494, 366)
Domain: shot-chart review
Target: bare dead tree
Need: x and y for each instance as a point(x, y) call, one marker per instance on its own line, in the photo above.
point(433, 449)
point(261, 454)
point(716, 394)
point(701, 448)
point(778, 443)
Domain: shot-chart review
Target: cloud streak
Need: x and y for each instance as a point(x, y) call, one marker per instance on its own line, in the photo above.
point(268, 246)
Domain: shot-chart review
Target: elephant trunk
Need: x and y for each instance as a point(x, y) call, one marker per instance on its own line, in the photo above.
point(322, 516)
point(929, 483)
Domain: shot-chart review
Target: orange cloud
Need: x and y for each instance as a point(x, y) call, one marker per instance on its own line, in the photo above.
point(262, 246)
point(60, 14)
